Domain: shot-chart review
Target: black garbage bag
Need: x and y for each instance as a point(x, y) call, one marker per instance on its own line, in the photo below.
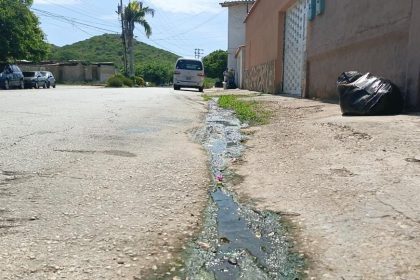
point(367, 95)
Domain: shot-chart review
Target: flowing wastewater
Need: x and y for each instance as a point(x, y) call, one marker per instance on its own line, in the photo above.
point(236, 242)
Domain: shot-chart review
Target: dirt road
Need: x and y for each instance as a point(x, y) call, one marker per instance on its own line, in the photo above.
point(350, 186)
point(97, 183)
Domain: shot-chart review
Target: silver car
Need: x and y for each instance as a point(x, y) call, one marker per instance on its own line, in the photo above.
point(50, 78)
point(189, 73)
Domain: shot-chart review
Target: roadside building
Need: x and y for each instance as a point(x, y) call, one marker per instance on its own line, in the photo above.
point(237, 12)
point(73, 71)
point(300, 46)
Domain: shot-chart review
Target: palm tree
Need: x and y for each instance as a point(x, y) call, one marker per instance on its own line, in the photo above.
point(134, 13)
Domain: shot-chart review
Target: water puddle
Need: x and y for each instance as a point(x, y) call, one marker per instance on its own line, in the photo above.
point(236, 242)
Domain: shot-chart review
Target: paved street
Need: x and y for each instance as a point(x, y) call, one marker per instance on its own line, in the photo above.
point(97, 183)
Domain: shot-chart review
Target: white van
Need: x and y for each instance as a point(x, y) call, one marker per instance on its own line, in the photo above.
point(189, 73)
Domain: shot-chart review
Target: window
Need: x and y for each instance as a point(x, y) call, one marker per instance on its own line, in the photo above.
point(189, 65)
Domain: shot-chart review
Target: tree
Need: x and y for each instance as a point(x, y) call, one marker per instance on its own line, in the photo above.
point(135, 13)
point(215, 64)
point(156, 72)
point(20, 35)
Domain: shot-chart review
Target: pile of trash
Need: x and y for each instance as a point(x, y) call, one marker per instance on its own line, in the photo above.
point(367, 95)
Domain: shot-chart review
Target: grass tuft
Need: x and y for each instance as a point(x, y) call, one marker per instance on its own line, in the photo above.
point(206, 97)
point(251, 112)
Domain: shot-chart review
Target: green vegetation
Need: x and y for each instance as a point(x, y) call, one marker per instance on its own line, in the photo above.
point(135, 13)
point(156, 73)
point(115, 82)
point(119, 80)
point(20, 36)
point(139, 81)
point(209, 82)
point(246, 111)
point(206, 97)
point(108, 48)
point(215, 64)
point(153, 64)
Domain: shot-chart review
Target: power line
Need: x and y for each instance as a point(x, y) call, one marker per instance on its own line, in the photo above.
point(72, 21)
point(198, 53)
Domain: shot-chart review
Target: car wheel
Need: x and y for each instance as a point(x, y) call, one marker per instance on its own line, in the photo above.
point(22, 85)
point(36, 85)
point(176, 87)
point(200, 89)
point(48, 85)
point(54, 86)
point(6, 84)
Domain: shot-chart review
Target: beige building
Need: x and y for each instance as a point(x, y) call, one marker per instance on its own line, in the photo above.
point(74, 71)
point(237, 12)
point(301, 46)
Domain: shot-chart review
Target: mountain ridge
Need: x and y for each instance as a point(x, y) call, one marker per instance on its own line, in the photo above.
point(108, 48)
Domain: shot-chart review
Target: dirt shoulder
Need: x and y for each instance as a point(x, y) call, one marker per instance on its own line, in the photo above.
point(349, 184)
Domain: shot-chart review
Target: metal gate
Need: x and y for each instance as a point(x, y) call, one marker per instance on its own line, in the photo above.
point(295, 47)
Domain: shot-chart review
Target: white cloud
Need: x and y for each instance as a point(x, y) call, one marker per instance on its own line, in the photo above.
point(187, 6)
point(59, 2)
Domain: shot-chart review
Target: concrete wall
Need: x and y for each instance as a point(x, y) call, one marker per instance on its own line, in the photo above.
point(76, 72)
point(367, 36)
point(236, 31)
point(240, 64)
point(105, 72)
point(413, 64)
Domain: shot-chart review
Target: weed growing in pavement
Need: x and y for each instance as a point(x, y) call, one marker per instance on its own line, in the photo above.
point(247, 111)
point(206, 97)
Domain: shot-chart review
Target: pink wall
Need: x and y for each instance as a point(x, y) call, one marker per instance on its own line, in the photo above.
point(264, 36)
point(368, 36)
point(377, 36)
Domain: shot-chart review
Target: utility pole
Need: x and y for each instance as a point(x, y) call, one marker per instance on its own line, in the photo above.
point(198, 53)
point(120, 11)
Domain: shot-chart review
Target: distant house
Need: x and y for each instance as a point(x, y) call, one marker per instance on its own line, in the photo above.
point(301, 46)
point(238, 11)
point(73, 71)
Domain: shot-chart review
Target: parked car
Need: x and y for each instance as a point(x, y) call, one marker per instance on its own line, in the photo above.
point(189, 73)
point(11, 77)
point(50, 78)
point(34, 79)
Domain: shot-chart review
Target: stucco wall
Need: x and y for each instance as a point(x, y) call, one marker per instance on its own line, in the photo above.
point(413, 64)
point(368, 36)
point(264, 44)
point(236, 32)
point(74, 72)
point(105, 72)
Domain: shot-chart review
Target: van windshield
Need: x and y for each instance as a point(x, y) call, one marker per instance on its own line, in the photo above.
point(189, 65)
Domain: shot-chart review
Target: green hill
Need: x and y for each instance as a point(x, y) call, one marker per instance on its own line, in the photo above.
point(108, 48)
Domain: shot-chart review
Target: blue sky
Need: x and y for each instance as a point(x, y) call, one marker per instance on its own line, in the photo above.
point(179, 26)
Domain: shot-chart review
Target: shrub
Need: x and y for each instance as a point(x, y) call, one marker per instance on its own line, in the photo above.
point(126, 81)
point(139, 81)
point(209, 83)
point(114, 81)
point(246, 111)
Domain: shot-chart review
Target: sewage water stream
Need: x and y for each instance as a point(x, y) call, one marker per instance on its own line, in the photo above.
point(236, 242)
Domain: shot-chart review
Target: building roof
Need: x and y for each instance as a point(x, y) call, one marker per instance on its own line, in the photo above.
point(252, 9)
point(236, 2)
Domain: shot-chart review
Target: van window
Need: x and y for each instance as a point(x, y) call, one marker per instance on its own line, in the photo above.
point(189, 65)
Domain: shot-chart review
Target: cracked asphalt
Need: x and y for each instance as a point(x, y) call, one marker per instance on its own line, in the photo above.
point(98, 183)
